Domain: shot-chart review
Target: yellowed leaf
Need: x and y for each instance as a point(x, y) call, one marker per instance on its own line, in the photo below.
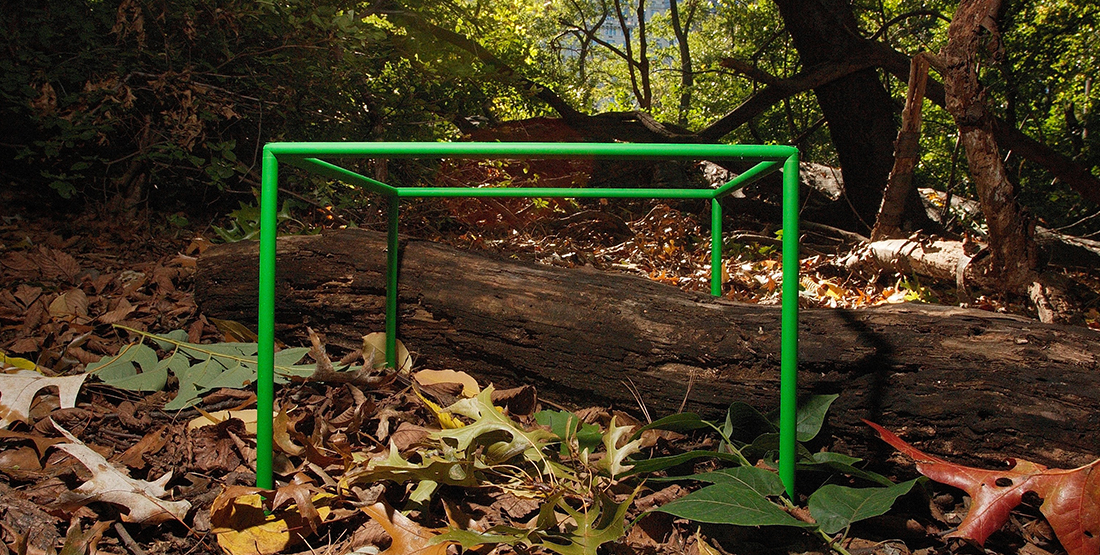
point(374, 344)
point(446, 420)
point(245, 528)
point(248, 416)
point(470, 388)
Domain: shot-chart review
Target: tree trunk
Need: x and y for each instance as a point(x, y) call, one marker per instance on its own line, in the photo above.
point(978, 385)
point(899, 188)
point(1014, 260)
point(857, 107)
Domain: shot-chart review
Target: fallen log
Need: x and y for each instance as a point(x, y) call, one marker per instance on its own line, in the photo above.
point(973, 385)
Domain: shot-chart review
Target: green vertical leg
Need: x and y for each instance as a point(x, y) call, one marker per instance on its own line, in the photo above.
point(788, 380)
point(715, 247)
point(391, 283)
point(265, 329)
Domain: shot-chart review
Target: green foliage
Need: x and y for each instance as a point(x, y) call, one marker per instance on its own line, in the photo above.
point(171, 101)
point(749, 495)
point(198, 368)
point(563, 466)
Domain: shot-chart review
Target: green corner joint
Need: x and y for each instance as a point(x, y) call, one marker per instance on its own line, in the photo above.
point(318, 158)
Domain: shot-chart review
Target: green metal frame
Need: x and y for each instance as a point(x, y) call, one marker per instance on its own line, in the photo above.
point(313, 158)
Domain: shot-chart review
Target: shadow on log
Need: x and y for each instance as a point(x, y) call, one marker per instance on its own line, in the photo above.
point(973, 385)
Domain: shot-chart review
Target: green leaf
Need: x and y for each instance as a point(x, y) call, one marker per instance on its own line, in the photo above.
point(168, 340)
point(680, 423)
point(837, 507)
point(657, 464)
point(189, 390)
point(842, 463)
point(600, 523)
point(744, 423)
point(571, 430)
point(811, 415)
point(731, 503)
point(488, 427)
point(762, 481)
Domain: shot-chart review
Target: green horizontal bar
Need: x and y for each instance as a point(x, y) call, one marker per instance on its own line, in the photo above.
point(753, 173)
point(327, 169)
point(550, 192)
point(668, 151)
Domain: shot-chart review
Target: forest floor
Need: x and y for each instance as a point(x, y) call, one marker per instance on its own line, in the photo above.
point(68, 284)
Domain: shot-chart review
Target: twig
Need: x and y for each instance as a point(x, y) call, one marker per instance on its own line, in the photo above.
point(127, 540)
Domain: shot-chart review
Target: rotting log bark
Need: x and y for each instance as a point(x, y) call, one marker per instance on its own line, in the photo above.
point(974, 385)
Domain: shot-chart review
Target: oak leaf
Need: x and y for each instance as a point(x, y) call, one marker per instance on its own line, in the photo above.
point(1071, 498)
point(111, 485)
point(17, 391)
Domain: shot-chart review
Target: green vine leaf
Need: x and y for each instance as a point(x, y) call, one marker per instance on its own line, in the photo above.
point(198, 368)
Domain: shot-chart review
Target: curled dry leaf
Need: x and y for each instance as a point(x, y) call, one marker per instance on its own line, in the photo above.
point(1071, 498)
point(110, 485)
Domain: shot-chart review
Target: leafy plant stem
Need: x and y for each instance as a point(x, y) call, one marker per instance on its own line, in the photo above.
point(833, 543)
point(729, 444)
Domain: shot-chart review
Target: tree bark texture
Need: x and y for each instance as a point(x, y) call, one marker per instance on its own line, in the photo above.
point(1011, 236)
point(965, 383)
point(899, 188)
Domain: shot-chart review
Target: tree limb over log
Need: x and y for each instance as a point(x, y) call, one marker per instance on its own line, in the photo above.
point(964, 383)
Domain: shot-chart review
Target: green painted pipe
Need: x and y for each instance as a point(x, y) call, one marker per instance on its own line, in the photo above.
point(265, 331)
point(392, 260)
point(715, 247)
point(309, 157)
point(788, 355)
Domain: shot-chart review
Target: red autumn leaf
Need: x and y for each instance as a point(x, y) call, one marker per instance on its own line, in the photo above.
point(1071, 498)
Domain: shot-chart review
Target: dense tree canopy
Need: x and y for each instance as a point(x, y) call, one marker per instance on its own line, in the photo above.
point(158, 100)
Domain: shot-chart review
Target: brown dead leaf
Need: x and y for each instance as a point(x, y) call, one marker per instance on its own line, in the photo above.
point(470, 388)
point(408, 435)
point(515, 506)
point(134, 457)
point(408, 537)
point(281, 434)
point(55, 264)
point(141, 499)
point(520, 401)
point(70, 305)
point(302, 496)
point(122, 309)
point(27, 294)
point(20, 461)
point(41, 443)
